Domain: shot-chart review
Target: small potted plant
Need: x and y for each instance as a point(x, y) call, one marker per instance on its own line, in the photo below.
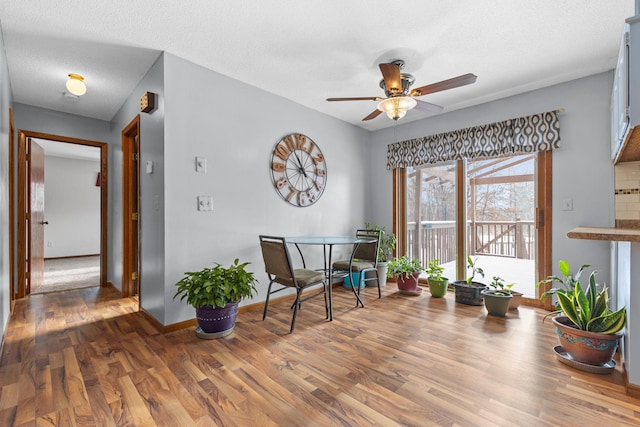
point(385, 251)
point(497, 300)
point(588, 330)
point(437, 283)
point(406, 271)
point(469, 291)
point(215, 293)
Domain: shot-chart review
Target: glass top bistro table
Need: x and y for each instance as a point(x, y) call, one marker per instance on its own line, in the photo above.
point(328, 242)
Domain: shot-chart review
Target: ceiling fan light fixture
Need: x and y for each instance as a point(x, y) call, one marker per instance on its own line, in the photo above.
point(396, 107)
point(75, 85)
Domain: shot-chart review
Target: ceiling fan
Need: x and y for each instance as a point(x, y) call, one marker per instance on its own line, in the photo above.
point(400, 96)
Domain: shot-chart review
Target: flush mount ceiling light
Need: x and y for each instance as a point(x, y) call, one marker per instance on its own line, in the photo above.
point(75, 84)
point(396, 107)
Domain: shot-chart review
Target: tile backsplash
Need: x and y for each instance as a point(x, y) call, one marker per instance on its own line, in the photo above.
point(627, 191)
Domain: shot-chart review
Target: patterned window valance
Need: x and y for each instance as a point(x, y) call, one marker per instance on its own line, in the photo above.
point(539, 132)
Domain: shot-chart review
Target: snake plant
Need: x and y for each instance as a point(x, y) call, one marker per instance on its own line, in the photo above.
point(589, 311)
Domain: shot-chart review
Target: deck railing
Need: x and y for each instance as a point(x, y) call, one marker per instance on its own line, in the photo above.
point(437, 239)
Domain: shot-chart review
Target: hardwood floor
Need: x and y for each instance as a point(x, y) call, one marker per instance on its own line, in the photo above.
point(86, 358)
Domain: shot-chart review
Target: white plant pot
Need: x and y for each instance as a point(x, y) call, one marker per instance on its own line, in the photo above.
point(382, 274)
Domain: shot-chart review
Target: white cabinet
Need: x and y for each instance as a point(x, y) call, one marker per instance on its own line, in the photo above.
point(625, 98)
point(620, 97)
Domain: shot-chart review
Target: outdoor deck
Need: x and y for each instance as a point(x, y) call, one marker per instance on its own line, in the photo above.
point(502, 248)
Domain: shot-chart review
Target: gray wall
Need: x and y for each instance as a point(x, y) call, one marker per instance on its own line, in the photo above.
point(5, 103)
point(236, 126)
point(152, 239)
point(35, 119)
point(582, 169)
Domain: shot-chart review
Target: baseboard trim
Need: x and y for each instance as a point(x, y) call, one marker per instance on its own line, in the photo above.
point(154, 322)
point(193, 322)
point(71, 256)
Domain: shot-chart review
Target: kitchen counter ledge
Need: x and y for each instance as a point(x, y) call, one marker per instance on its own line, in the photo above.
point(605, 233)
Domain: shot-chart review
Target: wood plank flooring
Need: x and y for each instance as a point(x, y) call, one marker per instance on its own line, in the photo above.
point(86, 358)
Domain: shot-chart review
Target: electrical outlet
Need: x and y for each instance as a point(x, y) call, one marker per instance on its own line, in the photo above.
point(205, 203)
point(49, 244)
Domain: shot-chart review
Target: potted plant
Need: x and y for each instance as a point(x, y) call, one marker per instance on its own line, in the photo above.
point(497, 300)
point(406, 271)
point(215, 293)
point(588, 330)
point(437, 283)
point(385, 251)
point(468, 291)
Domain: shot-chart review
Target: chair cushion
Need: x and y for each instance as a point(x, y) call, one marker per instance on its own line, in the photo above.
point(304, 277)
point(357, 265)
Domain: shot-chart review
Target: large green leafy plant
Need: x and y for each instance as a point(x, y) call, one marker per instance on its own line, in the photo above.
point(588, 310)
point(216, 286)
point(403, 266)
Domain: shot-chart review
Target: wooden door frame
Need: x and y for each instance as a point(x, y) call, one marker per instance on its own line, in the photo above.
point(543, 218)
point(12, 214)
point(543, 190)
point(130, 249)
point(22, 193)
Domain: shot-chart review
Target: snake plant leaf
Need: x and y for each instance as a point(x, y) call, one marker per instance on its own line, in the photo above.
point(569, 308)
point(609, 323)
point(592, 293)
point(584, 309)
point(601, 306)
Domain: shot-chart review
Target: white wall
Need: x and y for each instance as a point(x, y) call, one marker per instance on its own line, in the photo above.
point(582, 168)
point(72, 207)
point(5, 102)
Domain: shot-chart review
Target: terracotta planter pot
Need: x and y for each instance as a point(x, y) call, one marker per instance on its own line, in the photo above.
point(469, 294)
point(515, 301)
point(496, 304)
point(438, 288)
point(217, 320)
point(408, 283)
point(585, 347)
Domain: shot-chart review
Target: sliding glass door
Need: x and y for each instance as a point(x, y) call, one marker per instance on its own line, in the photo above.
point(502, 224)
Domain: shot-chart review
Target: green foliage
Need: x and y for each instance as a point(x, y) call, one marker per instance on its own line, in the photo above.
point(434, 270)
point(216, 286)
point(387, 242)
point(500, 287)
point(567, 281)
point(471, 264)
point(588, 311)
point(403, 266)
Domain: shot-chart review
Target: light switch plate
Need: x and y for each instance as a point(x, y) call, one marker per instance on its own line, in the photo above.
point(201, 164)
point(205, 203)
point(149, 166)
point(567, 205)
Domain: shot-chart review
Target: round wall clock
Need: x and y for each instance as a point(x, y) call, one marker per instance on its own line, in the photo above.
point(298, 170)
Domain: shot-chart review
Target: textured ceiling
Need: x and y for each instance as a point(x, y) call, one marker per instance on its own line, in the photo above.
point(307, 51)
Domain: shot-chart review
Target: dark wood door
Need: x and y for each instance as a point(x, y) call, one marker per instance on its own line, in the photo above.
point(35, 216)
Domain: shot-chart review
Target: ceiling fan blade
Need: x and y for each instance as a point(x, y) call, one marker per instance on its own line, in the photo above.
point(364, 98)
point(391, 75)
point(428, 107)
point(373, 115)
point(463, 80)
